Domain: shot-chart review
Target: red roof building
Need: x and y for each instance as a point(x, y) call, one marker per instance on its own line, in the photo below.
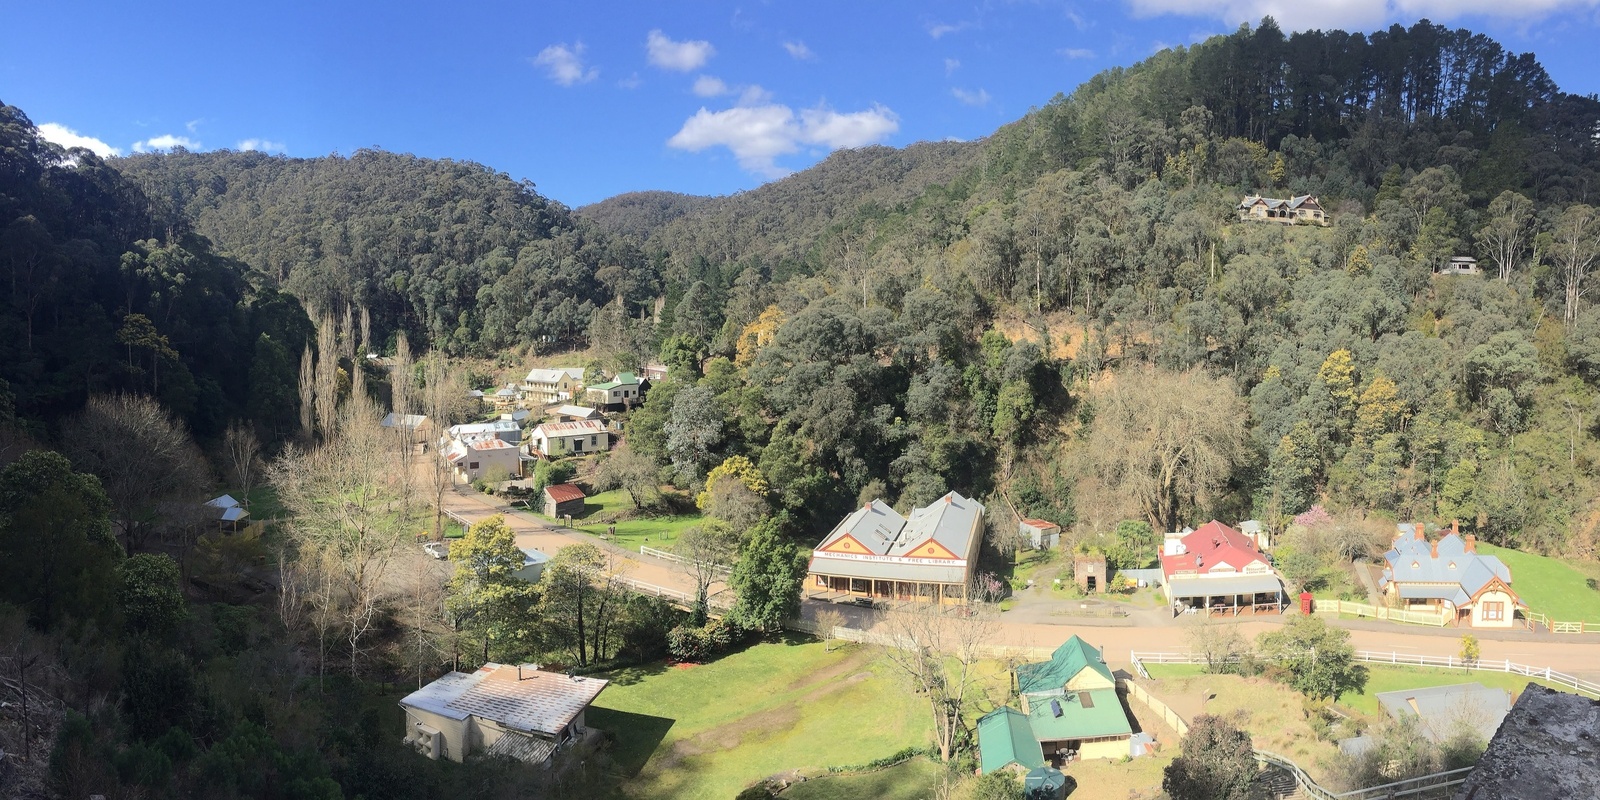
point(563, 499)
point(1216, 563)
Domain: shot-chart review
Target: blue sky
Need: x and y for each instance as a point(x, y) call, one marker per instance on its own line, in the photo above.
point(593, 99)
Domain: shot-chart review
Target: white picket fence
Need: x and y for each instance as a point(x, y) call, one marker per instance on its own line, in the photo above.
point(1572, 682)
point(647, 550)
point(1336, 607)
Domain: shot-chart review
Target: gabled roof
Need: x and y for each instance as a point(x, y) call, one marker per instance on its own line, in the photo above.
point(1084, 715)
point(581, 412)
point(409, 422)
point(1444, 561)
point(948, 521)
point(581, 427)
point(553, 375)
point(1209, 546)
point(1005, 738)
point(222, 501)
point(1443, 709)
point(491, 444)
point(493, 428)
point(622, 379)
point(1072, 657)
point(564, 492)
point(529, 700)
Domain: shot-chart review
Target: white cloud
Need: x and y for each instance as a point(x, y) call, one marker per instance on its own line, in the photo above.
point(1353, 14)
point(979, 98)
point(1075, 52)
point(758, 135)
point(165, 141)
point(680, 56)
point(193, 125)
point(60, 134)
point(754, 95)
point(564, 64)
point(263, 145)
point(950, 66)
point(630, 82)
point(709, 86)
point(799, 50)
point(939, 30)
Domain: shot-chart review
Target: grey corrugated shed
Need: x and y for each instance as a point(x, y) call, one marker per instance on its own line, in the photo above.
point(538, 702)
point(1442, 709)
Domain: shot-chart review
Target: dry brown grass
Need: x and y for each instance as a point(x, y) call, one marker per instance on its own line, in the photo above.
point(1271, 712)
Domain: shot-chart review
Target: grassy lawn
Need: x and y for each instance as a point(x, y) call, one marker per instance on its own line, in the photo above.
point(1549, 586)
point(913, 780)
point(658, 532)
point(264, 504)
point(707, 731)
point(1379, 679)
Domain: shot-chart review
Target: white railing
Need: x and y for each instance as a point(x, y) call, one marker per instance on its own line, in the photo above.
point(1335, 607)
point(1572, 682)
point(677, 559)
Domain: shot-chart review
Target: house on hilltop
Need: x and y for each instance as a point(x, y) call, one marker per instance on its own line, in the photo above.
point(1459, 265)
point(1295, 210)
point(1448, 575)
point(876, 553)
point(1218, 569)
point(552, 385)
point(519, 712)
point(625, 390)
point(1070, 710)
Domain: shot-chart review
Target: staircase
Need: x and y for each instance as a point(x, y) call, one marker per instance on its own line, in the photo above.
point(1277, 784)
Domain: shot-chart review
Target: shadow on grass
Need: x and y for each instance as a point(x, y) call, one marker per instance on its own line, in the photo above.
point(628, 676)
point(636, 736)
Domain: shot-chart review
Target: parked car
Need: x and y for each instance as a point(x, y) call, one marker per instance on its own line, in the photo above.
point(439, 550)
point(864, 602)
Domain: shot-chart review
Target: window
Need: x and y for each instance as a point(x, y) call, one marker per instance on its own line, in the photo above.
point(472, 465)
point(594, 441)
point(1494, 611)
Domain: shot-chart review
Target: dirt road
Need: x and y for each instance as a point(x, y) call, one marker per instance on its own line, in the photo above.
point(1577, 655)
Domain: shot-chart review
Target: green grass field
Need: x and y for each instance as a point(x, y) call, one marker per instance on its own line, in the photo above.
point(1548, 585)
point(658, 532)
point(913, 780)
point(1381, 679)
point(708, 731)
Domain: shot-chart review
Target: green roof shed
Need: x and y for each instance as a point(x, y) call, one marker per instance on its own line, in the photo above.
point(1071, 658)
point(1005, 738)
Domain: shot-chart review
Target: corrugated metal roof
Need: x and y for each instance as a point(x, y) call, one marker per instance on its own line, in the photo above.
point(1435, 592)
point(564, 492)
point(822, 564)
point(1444, 710)
point(1412, 560)
point(1004, 738)
point(1073, 656)
point(553, 375)
point(1225, 586)
point(582, 427)
point(951, 521)
point(1084, 715)
point(537, 701)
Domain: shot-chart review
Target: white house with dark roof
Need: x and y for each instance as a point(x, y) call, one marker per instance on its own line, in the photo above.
point(485, 457)
point(507, 430)
point(519, 712)
point(1449, 575)
point(876, 553)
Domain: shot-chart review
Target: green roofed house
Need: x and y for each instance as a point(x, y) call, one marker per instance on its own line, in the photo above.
point(1071, 706)
point(1006, 740)
point(623, 390)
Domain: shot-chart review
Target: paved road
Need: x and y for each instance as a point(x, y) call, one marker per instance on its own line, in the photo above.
point(1576, 655)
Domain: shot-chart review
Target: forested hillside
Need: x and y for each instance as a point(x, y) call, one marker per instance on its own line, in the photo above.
point(102, 295)
point(457, 255)
point(1100, 234)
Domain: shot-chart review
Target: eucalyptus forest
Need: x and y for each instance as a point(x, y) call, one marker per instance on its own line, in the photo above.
point(1068, 319)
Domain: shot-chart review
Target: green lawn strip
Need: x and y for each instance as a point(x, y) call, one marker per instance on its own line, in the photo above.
point(1548, 585)
point(1163, 671)
point(912, 780)
point(709, 730)
point(264, 504)
point(658, 532)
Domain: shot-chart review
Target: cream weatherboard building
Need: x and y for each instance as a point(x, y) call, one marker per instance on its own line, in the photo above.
point(561, 439)
point(1070, 710)
point(877, 553)
point(521, 712)
point(552, 385)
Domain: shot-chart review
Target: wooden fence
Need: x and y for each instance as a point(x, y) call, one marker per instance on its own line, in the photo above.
point(1335, 607)
point(647, 550)
point(1161, 709)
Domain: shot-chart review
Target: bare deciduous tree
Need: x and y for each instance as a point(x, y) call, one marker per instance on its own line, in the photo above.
point(144, 457)
point(244, 457)
point(1219, 643)
point(308, 393)
point(1167, 439)
point(632, 472)
point(327, 397)
point(442, 395)
point(938, 652)
point(348, 517)
point(707, 550)
point(829, 621)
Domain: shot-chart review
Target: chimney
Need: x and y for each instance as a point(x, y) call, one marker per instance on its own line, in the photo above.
point(1420, 537)
point(1455, 527)
point(1471, 543)
point(1436, 549)
point(948, 500)
point(868, 506)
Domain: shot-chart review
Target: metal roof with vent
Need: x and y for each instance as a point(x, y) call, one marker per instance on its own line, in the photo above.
point(520, 698)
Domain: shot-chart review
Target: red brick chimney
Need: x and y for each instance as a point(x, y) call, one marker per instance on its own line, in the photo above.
point(1471, 543)
point(1420, 537)
point(1436, 548)
point(868, 506)
point(1455, 527)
